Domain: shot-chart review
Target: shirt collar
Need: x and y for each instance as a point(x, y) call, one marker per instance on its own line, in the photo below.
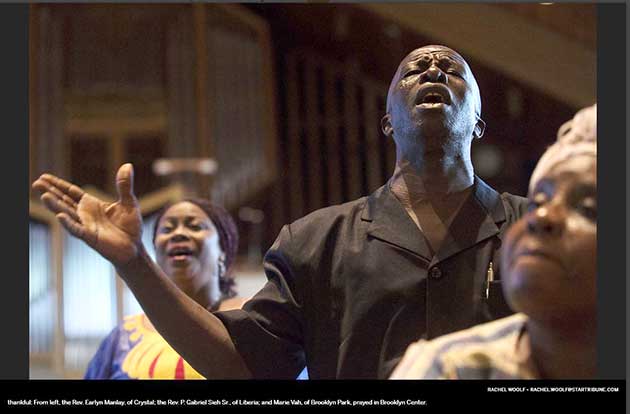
point(478, 219)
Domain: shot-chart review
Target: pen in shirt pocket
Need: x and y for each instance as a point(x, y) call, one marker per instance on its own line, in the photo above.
point(489, 279)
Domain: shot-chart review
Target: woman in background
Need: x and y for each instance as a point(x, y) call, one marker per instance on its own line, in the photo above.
point(549, 264)
point(195, 243)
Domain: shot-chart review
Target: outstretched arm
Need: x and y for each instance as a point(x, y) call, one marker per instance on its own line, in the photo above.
point(114, 230)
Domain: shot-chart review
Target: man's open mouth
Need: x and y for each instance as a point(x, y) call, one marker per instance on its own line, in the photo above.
point(433, 95)
point(432, 98)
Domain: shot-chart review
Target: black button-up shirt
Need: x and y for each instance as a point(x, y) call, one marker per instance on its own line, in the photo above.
point(348, 290)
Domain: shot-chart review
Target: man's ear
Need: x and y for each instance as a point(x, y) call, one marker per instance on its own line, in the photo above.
point(386, 125)
point(480, 128)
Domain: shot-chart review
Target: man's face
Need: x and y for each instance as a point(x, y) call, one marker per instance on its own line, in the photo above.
point(433, 94)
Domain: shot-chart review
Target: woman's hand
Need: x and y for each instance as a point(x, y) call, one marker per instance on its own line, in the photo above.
point(114, 230)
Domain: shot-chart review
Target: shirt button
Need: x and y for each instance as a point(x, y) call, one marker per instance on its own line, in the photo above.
point(436, 273)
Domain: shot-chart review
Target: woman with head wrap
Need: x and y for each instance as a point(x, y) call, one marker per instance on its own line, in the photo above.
point(196, 244)
point(549, 271)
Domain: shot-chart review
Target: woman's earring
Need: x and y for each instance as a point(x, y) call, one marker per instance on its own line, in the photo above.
point(221, 264)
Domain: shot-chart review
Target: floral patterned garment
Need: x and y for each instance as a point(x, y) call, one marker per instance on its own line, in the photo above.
point(134, 350)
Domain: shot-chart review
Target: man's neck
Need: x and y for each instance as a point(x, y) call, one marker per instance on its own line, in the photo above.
point(432, 193)
point(563, 349)
point(432, 180)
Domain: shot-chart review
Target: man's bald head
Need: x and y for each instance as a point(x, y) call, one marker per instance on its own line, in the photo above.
point(435, 51)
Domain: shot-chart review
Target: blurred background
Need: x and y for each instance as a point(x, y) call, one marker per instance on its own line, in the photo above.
point(272, 111)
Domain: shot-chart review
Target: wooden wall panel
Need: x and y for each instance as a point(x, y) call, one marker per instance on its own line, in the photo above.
point(351, 127)
point(336, 151)
point(294, 147)
point(316, 174)
point(332, 120)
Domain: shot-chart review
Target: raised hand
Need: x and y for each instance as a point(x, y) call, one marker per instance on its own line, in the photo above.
point(112, 229)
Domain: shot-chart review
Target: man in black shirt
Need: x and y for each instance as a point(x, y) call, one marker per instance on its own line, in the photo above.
point(349, 286)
